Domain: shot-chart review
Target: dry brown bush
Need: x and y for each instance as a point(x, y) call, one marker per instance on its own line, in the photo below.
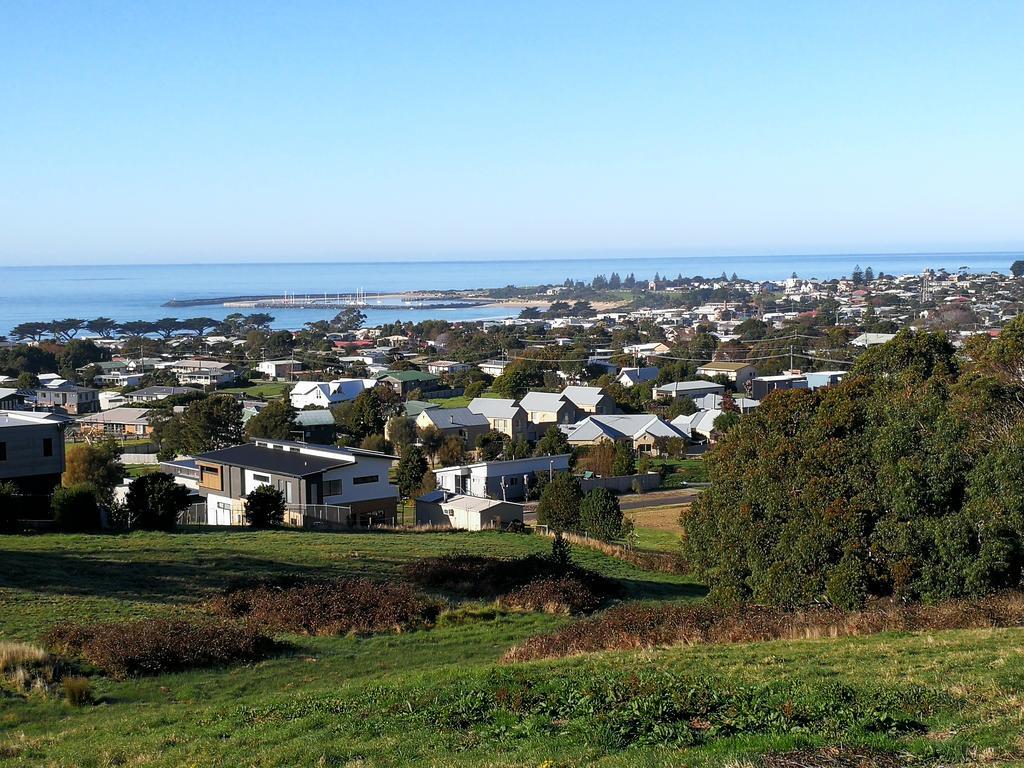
point(564, 594)
point(156, 646)
point(349, 606)
point(646, 626)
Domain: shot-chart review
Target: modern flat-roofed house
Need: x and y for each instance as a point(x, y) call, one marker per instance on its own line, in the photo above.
point(454, 422)
point(738, 372)
point(31, 451)
point(493, 367)
point(506, 480)
point(505, 416)
point(642, 432)
point(324, 394)
point(155, 394)
point(306, 474)
point(404, 382)
point(64, 397)
point(279, 369)
point(691, 389)
point(441, 367)
point(760, 386)
point(119, 421)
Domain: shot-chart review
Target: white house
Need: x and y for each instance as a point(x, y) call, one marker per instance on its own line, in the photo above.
point(324, 394)
point(630, 377)
point(468, 513)
point(507, 480)
point(279, 369)
point(691, 389)
point(737, 372)
point(440, 367)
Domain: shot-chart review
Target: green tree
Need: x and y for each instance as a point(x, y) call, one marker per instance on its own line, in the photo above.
point(490, 445)
point(600, 515)
point(75, 509)
point(431, 438)
point(401, 432)
point(376, 443)
point(559, 506)
point(409, 474)
point(452, 452)
point(8, 507)
point(155, 502)
point(1017, 268)
point(264, 507)
point(276, 420)
point(205, 425)
point(98, 466)
point(624, 462)
point(553, 443)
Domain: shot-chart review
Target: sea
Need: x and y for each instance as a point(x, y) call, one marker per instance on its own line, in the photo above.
point(138, 291)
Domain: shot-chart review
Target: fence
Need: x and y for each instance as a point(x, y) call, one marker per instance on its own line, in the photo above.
point(623, 483)
point(295, 516)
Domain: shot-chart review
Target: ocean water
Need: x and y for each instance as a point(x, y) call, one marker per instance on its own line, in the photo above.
point(136, 292)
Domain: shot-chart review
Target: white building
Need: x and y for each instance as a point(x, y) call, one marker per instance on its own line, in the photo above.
point(324, 394)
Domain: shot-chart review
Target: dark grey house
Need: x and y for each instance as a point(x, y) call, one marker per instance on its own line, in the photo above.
point(31, 451)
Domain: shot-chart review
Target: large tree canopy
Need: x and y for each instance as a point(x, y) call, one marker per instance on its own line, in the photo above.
point(903, 480)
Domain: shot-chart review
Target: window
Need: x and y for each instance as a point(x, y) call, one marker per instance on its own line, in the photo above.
point(332, 488)
point(365, 479)
point(3, 451)
point(260, 478)
point(209, 477)
point(47, 446)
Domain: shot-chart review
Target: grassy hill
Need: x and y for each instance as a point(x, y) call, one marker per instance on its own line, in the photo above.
point(441, 697)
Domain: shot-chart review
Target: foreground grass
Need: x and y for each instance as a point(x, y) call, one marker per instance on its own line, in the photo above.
point(440, 698)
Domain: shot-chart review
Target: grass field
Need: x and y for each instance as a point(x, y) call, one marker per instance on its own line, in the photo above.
point(439, 697)
point(459, 402)
point(268, 390)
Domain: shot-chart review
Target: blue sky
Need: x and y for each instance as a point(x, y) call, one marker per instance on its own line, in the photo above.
point(226, 131)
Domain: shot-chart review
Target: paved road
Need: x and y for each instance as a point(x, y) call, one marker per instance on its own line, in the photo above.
point(658, 498)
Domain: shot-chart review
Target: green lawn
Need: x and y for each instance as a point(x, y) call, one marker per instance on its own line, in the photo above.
point(461, 401)
point(440, 697)
point(682, 471)
point(268, 390)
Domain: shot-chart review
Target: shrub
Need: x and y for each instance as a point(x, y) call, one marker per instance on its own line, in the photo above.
point(264, 507)
point(479, 576)
point(352, 606)
point(155, 502)
point(641, 625)
point(158, 646)
point(75, 508)
point(553, 594)
point(559, 506)
point(77, 690)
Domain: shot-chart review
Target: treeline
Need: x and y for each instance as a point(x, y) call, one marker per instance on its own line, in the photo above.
point(905, 481)
point(67, 329)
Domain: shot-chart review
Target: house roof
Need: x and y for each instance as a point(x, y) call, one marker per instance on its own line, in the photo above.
point(543, 401)
point(683, 387)
point(414, 408)
point(583, 396)
point(446, 418)
point(118, 416)
point(317, 417)
point(639, 375)
point(279, 461)
point(27, 418)
point(618, 426)
point(724, 366)
point(494, 408)
point(404, 376)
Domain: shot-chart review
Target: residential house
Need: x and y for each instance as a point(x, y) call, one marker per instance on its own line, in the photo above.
point(592, 400)
point(698, 426)
point(630, 377)
point(305, 474)
point(404, 382)
point(119, 379)
point(31, 451)
point(446, 367)
point(505, 480)
point(323, 394)
point(468, 513)
point(455, 422)
point(279, 370)
point(691, 389)
point(493, 367)
point(642, 432)
point(737, 372)
point(505, 416)
point(11, 399)
point(207, 373)
point(872, 339)
point(647, 350)
point(761, 386)
point(546, 408)
point(817, 379)
point(64, 397)
point(155, 394)
point(315, 426)
point(118, 421)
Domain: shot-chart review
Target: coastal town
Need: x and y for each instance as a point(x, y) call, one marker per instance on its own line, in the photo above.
point(656, 369)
